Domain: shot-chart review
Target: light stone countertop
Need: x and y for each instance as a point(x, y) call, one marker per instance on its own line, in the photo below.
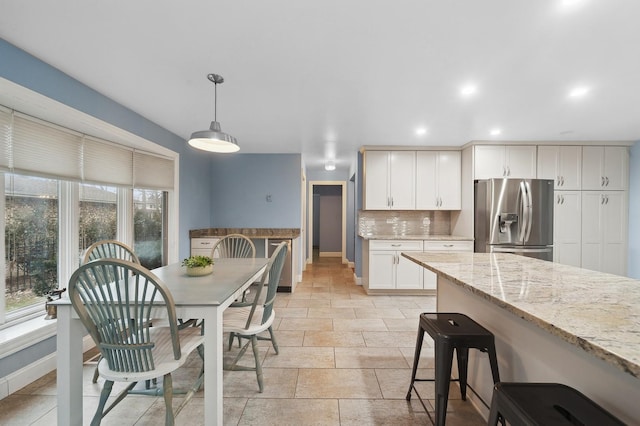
point(597, 312)
point(415, 237)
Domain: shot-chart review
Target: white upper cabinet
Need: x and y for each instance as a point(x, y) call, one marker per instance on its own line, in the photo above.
point(389, 180)
point(438, 180)
point(510, 161)
point(563, 164)
point(605, 167)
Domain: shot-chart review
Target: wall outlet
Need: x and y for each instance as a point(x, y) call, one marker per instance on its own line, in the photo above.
point(268, 198)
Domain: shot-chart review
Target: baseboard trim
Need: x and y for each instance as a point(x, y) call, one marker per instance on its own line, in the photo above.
point(32, 372)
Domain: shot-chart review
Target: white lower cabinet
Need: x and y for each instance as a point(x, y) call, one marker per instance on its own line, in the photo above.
point(388, 269)
point(430, 278)
point(203, 246)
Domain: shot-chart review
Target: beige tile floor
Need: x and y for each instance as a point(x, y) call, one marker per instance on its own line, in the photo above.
point(345, 359)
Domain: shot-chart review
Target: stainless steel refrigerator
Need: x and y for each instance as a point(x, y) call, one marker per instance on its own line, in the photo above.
point(514, 216)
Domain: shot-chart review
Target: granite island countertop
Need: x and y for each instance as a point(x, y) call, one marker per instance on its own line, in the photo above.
point(414, 237)
point(249, 232)
point(594, 311)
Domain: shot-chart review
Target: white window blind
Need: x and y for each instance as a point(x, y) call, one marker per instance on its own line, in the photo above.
point(32, 146)
point(153, 172)
point(104, 162)
point(5, 138)
point(45, 150)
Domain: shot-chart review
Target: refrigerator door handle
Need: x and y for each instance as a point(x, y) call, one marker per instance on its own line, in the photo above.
point(529, 209)
point(522, 228)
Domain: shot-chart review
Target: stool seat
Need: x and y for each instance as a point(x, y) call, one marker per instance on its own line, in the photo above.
point(451, 331)
point(546, 404)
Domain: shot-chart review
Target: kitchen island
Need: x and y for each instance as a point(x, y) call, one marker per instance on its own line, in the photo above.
point(552, 323)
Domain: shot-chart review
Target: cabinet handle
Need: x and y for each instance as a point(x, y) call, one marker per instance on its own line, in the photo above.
point(563, 199)
point(607, 199)
point(602, 199)
point(391, 201)
point(448, 245)
point(602, 181)
point(558, 179)
point(396, 245)
point(562, 177)
point(508, 171)
point(504, 171)
point(607, 179)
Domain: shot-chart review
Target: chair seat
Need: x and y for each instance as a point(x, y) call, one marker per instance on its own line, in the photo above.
point(235, 320)
point(190, 339)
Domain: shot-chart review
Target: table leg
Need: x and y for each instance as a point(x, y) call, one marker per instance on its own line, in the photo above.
point(213, 407)
point(69, 360)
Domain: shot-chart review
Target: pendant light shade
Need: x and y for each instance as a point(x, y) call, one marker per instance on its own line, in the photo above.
point(214, 139)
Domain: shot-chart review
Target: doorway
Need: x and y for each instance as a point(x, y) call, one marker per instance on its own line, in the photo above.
point(327, 213)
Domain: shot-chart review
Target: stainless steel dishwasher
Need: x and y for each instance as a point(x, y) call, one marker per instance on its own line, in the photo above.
point(286, 280)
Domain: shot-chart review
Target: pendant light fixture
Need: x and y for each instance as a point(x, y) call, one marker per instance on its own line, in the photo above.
point(214, 139)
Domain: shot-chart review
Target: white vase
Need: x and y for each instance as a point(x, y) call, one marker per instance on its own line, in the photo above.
point(199, 271)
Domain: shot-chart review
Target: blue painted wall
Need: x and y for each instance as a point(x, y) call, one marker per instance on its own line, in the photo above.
point(30, 72)
point(241, 183)
point(634, 212)
point(195, 198)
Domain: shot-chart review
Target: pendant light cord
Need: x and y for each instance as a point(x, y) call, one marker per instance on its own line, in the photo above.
point(215, 101)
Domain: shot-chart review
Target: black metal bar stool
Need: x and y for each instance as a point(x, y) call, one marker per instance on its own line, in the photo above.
point(546, 404)
point(451, 331)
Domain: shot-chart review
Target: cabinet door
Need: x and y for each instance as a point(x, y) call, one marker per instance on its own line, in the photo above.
point(449, 180)
point(488, 162)
point(408, 273)
point(426, 180)
point(548, 167)
point(402, 180)
point(570, 167)
point(592, 168)
point(567, 229)
point(520, 161)
point(616, 167)
point(591, 230)
point(382, 269)
point(376, 180)
point(614, 231)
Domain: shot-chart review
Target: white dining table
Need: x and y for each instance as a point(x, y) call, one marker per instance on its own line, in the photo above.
point(204, 297)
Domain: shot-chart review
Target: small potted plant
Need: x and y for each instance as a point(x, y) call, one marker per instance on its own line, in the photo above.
point(198, 265)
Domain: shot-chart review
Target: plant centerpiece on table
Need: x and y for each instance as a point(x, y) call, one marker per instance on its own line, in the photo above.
point(198, 265)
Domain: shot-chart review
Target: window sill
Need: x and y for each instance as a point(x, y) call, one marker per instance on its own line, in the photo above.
point(16, 337)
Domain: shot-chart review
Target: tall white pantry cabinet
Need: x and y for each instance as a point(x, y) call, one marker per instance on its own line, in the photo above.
point(591, 203)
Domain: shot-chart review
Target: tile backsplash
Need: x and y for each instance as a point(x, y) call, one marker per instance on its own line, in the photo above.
point(432, 222)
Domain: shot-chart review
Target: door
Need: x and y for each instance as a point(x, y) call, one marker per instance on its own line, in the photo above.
point(450, 180)
point(540, 228)
point(488, 162)
point(520, 161)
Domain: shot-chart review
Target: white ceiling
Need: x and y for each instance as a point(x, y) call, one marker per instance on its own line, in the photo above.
point(323, 78)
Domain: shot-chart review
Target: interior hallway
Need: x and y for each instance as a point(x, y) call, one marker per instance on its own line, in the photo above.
point(345, 359)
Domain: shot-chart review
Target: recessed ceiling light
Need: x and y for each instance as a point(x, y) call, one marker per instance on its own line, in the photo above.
point(330, 165)
point(579, 92)
point(495, 132)
point(468, 90)
point(569, 3)
point(421, 131)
